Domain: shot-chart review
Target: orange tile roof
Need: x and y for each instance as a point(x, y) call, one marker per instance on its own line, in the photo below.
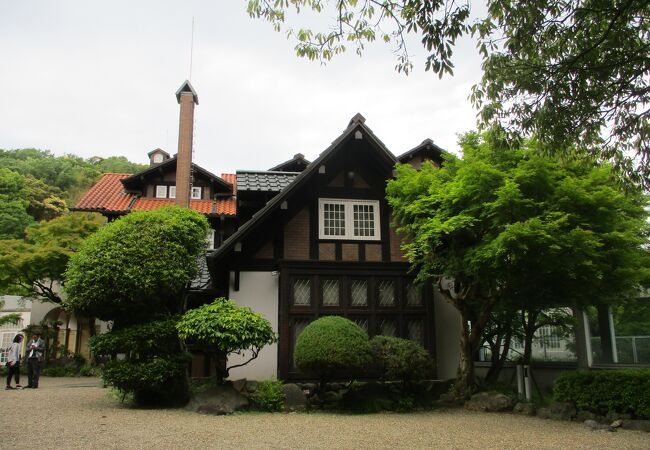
point(108, 196)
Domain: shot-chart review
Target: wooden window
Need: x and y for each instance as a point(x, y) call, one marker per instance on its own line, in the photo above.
point(415, 331)
point(348, 219)
point(359, 293)
point(330, 292)
point(386, 292)
point(196, 193)
point(301, 292)
point(388, 327)
point(413, 295)
point(297, 327)
point(172, 191)
point(210, 239)
point(161, 191)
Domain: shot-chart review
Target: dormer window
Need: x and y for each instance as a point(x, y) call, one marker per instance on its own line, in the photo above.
point(196, 193)
point(161, 191)
point(157, 158)
point(348, 219)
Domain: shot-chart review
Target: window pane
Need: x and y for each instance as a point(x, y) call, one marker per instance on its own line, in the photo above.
point(388, 327)
point(172, 191)
point(363, 323)
point(413, 295)
point(386, 293)
point(415, 330)
point(333, 219)
point(296, 329)
point(359, 293)
point(161, 191)
point(302, 292)
point(196, 193)
point(364, 220)
point(330, 292)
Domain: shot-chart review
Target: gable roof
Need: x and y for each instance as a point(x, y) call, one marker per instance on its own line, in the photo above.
point(109, 196)
point(356, 126)
point(258, 181)
point(297, 162)
point(427, 149)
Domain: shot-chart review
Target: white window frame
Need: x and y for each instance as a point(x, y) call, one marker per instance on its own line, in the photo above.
point(172, 191)
point(157, 158)
point(196, 189)
point(348, 205)
point(161, 191)
point(209, 239)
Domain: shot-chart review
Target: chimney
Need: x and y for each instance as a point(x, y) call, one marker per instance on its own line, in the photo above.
point(187, 98)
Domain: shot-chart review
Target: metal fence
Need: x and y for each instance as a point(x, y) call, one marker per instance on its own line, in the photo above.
point(629, 349)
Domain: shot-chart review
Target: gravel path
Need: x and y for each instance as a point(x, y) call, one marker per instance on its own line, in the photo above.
point(75, 413)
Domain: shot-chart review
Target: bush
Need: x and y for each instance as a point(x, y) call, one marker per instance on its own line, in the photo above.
point(269, 396)
point(602, 391)
point(332, 346)
point(401, 359)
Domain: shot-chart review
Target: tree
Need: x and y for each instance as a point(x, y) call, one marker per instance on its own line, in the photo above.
point(508, 226)
point(571, 72)
point(222, 328)
point(34, 266)
point(137, 267)
point(12, 318)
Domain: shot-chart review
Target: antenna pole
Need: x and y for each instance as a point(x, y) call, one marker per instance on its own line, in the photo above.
point(192, 48)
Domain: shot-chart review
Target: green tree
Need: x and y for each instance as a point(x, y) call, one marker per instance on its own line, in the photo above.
point(221, 329)
point(8, 318)
point(507, 226)
point(34, 266)
point(137, 267)
point(571, 72)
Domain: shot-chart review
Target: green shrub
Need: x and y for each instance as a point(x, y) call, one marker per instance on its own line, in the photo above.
point(89, 371)
point(602, 391)
point(269, 396)
point(54, 371)
point(332, 346)
point(401, 359)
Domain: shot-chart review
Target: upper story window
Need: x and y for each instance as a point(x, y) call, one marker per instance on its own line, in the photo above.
point(348, 219)
point(196, 193)
point(172, 191)
point(157, 158)
point(161, 191)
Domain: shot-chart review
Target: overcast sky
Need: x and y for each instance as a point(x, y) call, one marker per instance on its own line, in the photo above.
point(98, 79)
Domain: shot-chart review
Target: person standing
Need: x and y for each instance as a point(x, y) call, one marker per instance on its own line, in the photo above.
point(13, 362)
point(35, 349)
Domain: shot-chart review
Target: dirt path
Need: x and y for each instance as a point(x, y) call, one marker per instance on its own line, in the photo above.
point(75, 413)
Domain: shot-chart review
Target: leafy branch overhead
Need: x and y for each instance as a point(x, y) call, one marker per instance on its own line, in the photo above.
point(574, 73)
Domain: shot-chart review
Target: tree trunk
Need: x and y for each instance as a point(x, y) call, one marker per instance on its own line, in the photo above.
point(529, 322)
point(500, 359)
point(465, 382)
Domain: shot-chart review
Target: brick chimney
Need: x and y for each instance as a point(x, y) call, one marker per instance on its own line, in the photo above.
point(187, 98)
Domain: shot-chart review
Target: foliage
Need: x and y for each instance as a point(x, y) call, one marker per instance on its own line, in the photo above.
point(571, 72)
point(144, 340)
point(269, 396)
point(632, 317)
point(34, 266)
point(222, 328)
point(138, 266)
point(401, 359)
point(8, 318)
point(508, 226)
point(332, 345)
point(601, 391)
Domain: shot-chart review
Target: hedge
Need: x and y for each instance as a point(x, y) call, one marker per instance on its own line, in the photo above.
point(624, 391)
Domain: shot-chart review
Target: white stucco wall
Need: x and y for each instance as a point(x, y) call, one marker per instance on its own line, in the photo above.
point(447, 337)
point(258, 291)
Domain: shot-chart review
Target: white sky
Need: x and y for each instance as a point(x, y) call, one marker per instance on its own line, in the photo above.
point(98, 79)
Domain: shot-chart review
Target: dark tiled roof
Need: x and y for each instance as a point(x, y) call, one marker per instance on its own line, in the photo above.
point(264, 181)
point(202, 279)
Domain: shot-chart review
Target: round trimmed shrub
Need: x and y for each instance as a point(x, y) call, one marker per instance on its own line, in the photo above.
point(332, 346)
point(401, 359)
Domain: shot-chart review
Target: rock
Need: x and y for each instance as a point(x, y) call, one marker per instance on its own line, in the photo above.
point(581, 416)
point(251, 386)
point(489, 401)
point(295, 399)
point(598, 426)
point(544, 413)
point(218, 400)
point(616, 424)
point(641, 425)
point(332, 399)
point(239, 385)
point(561, 411)
point(315, 401)
point(526, 409)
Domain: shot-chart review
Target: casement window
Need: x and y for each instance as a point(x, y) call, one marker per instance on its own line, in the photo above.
point(172, 191)
point(348, 219)
point(161, 191)
point(196, 193)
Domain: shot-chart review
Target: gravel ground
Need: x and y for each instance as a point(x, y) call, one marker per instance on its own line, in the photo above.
point(75, 413)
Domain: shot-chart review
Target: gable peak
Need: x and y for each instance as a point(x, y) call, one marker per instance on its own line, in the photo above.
point(357, 119)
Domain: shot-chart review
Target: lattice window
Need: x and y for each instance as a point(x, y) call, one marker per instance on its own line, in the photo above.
point(364, 220)
point(415, 330)
point(333, 219)
point(413, 295)
point(296, 329)
point(386, 291)
point(330, 292)
point(387, 327)
point(359, 293)
point(363, 323)
point(5, 343)
point(301, 292)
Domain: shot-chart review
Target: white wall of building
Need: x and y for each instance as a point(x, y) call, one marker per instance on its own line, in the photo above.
point(258, 291)
point(447, 337)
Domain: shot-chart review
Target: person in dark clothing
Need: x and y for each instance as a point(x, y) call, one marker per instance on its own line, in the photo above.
point(13, 362)
point(35, 350)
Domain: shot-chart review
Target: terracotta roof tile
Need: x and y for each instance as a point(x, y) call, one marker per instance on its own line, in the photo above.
point(108, 195)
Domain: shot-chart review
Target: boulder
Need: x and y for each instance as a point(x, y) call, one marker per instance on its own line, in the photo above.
point(581, 416)
point(641, 425)
point(526, 409)
point(489, 401)
point(251, 386)
point(218, 400)
point(294, 398)
point(558, 411)
point(592, 424)
point(239, 385)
